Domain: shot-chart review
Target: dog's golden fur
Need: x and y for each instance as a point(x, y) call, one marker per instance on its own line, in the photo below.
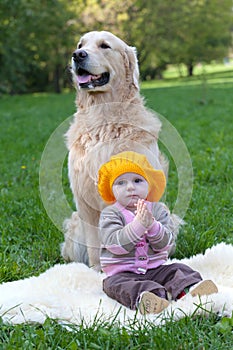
point(110, 118)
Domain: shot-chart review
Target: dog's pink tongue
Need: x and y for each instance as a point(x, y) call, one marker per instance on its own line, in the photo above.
point(83, 78)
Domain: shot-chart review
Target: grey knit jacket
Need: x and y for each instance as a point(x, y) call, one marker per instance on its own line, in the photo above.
point(122, 238)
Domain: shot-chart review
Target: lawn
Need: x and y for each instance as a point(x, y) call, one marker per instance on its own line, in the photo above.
point(201, 111)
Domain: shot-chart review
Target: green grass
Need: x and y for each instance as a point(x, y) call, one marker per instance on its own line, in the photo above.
point(30, 242)
point(202, 114)
point(187, 334)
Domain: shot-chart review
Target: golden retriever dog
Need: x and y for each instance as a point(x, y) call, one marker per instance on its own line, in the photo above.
point(111, 118)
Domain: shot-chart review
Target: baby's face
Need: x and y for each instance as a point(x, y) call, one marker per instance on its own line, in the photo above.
point(128, 188)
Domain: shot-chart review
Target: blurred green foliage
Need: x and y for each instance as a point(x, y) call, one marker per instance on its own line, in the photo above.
point(37, 37)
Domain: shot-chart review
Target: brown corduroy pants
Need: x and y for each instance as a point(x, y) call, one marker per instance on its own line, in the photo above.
point(126, 287)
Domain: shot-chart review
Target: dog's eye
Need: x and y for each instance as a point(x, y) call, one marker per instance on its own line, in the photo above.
point(104, 46)
point(79, 46)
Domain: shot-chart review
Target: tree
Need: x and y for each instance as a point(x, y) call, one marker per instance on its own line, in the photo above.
point(182, 31)
point(208, 34)
point(13, 57)
point(35, 36)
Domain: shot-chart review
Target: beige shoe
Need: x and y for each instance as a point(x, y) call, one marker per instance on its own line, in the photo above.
point(206, 287)
point(151, 303)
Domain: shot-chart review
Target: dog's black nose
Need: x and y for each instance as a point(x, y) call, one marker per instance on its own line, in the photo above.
point(79, 55)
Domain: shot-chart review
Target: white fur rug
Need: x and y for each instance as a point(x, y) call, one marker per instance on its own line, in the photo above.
point(73, 293)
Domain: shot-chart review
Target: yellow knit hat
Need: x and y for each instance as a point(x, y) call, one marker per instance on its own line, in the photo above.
point(131, 162)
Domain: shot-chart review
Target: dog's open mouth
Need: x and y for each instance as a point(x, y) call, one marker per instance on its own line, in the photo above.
point(86, 80)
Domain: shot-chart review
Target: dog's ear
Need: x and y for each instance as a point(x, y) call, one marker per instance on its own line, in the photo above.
point(133, 64)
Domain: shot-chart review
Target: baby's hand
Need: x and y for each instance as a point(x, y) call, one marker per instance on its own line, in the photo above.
point(143, 214)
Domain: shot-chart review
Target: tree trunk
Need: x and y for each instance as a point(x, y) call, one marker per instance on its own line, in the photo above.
point(190, 69)
point(56, 78)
